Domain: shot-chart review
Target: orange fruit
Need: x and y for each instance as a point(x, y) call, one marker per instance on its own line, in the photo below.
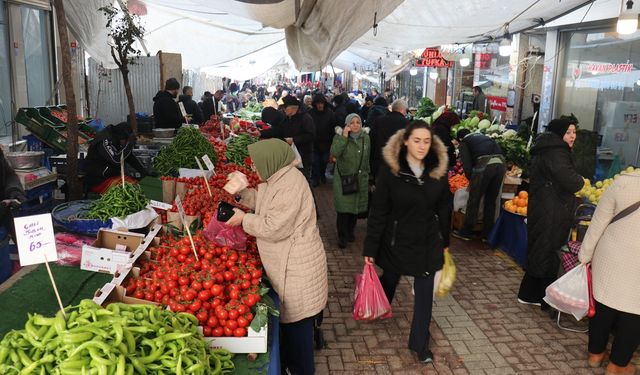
point(523, 194)
point(524, 211)
point(522, 203)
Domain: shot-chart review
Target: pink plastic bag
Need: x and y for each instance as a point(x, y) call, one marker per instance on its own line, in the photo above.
point(224, 235)
point(69, 248)
point(370, 302)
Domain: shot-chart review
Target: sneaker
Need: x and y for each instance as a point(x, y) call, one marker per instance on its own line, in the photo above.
point(426, 356)
point(528, 303)
point(460, 235)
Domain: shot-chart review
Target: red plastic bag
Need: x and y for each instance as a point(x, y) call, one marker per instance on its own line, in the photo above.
point(225, 235)
point(370, 302)
point(69, 248)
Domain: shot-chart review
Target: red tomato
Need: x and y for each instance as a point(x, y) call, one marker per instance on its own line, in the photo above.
point(232, 324)
point(233, 314)
point(234, 294)
point(218, 332)
point(239, 332)
point(256, 274)
point(183, 280)
point(195, 306)
point(202, 316)
point(204, 295)
point(228, 332)
point(207, 331)
point(242, 309)
point(245, 284)
point(212, 322)
point(207, 284)
point(242, 322)
point(138, 294)
point(222, 314)
point(197, 286)
point(251, 300)
point(216, 290)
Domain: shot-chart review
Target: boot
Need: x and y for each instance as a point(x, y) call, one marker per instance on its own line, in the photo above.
point(612, 369)
point(595, 360)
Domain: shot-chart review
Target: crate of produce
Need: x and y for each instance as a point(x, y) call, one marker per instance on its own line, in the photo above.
point(30, 118)
point(58, 117)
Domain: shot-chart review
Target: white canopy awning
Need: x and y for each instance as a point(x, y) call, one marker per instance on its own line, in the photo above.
point(217, 34)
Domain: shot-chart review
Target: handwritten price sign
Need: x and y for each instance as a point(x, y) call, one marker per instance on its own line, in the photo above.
point(35, 239)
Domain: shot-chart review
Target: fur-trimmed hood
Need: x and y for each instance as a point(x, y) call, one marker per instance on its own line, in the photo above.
point(391, 155)
point(339, 130)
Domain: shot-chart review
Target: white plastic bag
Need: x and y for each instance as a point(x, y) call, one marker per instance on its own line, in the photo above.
point(136, 220)
point(460, 198)
point(570, 293)
point(298, 157)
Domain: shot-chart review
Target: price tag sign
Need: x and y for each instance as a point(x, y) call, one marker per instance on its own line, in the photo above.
point(159, 205)
point(199, 164)
point(182, 110)
point(35, 239)
point(180, 208)
point(208, 163)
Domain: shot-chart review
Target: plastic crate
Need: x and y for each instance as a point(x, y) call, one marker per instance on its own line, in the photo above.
point(45, 191)
point(33, 143)
point(61, 126)
point(31, 119)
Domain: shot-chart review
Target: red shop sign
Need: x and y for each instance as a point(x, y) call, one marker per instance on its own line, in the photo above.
point(431, 57)
point(497, 103)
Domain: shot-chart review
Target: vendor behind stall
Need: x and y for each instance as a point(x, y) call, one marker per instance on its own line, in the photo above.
point(484, 166)
point(103, 159)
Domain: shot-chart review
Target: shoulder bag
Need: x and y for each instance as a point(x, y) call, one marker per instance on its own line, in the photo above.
point(626, 212)
point(349, 182)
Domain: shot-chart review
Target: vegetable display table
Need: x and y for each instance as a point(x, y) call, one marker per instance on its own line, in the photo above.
point(510, 235)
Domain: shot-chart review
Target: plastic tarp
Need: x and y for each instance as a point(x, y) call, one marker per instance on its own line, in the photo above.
point(215, 33)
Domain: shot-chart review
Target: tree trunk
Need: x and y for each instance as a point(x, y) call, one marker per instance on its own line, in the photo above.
point(127, 89)
point(73, 182)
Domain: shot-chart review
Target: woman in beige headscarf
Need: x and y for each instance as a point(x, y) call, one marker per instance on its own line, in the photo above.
point(291, 250)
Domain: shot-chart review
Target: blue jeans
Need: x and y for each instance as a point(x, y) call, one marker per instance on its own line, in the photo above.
point(320, 160)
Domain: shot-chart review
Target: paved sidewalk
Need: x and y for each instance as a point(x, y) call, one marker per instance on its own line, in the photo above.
point(478, 329)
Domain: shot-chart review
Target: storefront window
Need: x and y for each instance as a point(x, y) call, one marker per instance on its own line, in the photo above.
point(5, 89)
point(36, 55)
point(600, 84)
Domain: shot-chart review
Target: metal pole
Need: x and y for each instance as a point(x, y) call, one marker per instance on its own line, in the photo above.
point(424, 82)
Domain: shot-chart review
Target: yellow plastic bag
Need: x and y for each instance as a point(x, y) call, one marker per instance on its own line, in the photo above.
point(447, 276)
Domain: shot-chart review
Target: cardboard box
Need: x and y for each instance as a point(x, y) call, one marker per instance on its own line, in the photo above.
point(457, 222)
point(111, 293)
point(114, 250)
point(255, 342)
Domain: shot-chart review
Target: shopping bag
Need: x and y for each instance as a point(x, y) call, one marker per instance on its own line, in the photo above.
point(226, 235)
point(447, 276)
point(370, 302)
point(298, 157)
point(570, 293)
point(592, 302)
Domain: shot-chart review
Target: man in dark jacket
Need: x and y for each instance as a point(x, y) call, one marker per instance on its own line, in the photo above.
point(296, 128)
point(166, 113)
point(364, 111)
point(383, 128)
point(11, 192)
point(479, 100)
point(483, 163)
point(340, 111)
point(380, 108)
point(206, 105)
point(190, 105)
point(105, 152)
point(442, 128)
point(324, 121)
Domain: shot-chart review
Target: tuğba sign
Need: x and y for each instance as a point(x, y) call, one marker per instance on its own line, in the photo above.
point(432, 58)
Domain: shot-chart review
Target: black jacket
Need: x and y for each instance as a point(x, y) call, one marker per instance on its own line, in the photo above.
point(325, 128)
point(300, 127)
point(166, 113)
point(381, 130)
point(103, 157)
point(11, 188)
point(340, 113)
point(472, 147)
point(364, 113)
point(192, 108)
point(444, 133)
point(375, 112)
point(553, 183)
point(408, 225)
point(206, 107)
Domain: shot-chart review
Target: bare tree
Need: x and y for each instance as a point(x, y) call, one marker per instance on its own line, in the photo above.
point(124, 30)
point(73, 183)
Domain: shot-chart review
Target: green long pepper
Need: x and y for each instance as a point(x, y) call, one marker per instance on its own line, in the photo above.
point(121, 339)
point(118, 201)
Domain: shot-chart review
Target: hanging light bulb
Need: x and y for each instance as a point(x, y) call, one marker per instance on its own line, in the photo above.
point(465, 61)
point(354, 72)
point(433, 74)
point(628, 19)
point(413, 71)
point(505, 48)
point(397, 61)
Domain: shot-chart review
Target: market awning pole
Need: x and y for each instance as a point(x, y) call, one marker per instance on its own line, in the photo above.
point(424, 82)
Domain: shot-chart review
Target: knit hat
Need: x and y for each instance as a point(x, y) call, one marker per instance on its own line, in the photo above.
point(559, 127)
point(290, 100)
point(172, 84)
point(350, 116)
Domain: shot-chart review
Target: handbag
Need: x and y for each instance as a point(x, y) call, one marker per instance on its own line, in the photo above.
point(349, 182)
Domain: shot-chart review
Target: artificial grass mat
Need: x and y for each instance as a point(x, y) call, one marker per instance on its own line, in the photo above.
point(152, 187)
point(33, 293)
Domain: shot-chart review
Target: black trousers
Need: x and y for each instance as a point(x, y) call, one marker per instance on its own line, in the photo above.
point(484, 184)
point(625, 328)
point(346, 224)
point(296, 348)
point(422, 307)
point(533, 289)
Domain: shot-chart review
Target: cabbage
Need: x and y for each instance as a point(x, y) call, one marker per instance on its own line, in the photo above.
point(474, 121)
point(484, 124)
point(494, 128)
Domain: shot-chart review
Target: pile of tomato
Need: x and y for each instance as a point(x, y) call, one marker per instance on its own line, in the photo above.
point(220, 288)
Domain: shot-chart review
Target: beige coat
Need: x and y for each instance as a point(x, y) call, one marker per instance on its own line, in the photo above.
point(614, 250)
point(289, 242)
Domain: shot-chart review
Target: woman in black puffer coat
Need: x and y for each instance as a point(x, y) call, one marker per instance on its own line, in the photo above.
point(552, 202)
point(408, 226)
